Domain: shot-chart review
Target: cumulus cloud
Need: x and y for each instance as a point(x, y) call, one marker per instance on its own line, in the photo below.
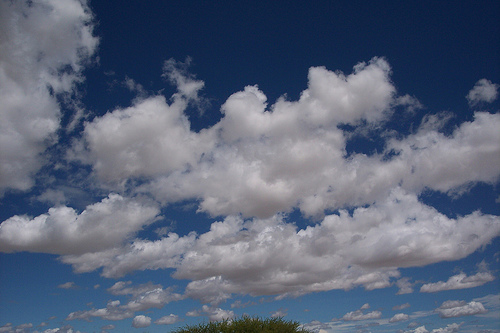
point(360, 315)
point(405, 286)
point(484, 91)
point(272, 256)
point(141, 321)
point(399, 317)
point(147, 139)
point(459, 281)
point(144, 297)
point(37, 64)
point(168, 320)
point(259, 160)
point(23, 328)
point(451, 328)
point(450, 309)
point(213, 313)
point(257, 163)
point(63, 230)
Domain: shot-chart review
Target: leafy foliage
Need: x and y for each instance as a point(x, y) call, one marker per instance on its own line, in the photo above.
point(246, 324)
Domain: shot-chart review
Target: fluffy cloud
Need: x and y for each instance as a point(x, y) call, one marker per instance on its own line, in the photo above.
point(23, 328)
point(405, 286)
point(484, 91)
point(451, 309)
point(141, 321)
point(64, 329)
point(144, 297)
point(213, 313)
point(459, 281)
point(271, 256)
point(259, 160)
point(168, 320)
point(360, 315)
point(37, 64)
point(451, 328)
point(252, 156)
point(399, 317)
point(146, 139)
point(63, 231)
point(430, 159)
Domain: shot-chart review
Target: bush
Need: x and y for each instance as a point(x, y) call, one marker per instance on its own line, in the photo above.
point(246, 325)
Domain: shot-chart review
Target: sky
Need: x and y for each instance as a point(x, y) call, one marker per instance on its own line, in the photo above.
point(165, 163)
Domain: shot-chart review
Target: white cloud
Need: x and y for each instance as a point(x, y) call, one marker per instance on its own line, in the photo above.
point(420, 329)
point(459, 281)
point(399, 317)
point(450, 309)
point(271, 256)
point(484, 91)
point(261, 160)
point(37, 63)
point(147, 139)
point(360, 315)
point(429, 159)
point(141, 321)
point(405, 286)
point(64, 329)
point(144, 297)
point(213, 313)
point(62, 230)
point(264, 160)
point(139, 255)
point(168, 320)
point(451, 328)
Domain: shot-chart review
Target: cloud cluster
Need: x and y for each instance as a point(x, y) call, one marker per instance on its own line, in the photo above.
point(450, 309)
point(143, 297)
point(459, 281)
point(213, 313)
point(27, 328)
point(272, 256)
point(451, 328)
point(38, 63)
point(361, 315)
point(259, 160)
point(251, 168)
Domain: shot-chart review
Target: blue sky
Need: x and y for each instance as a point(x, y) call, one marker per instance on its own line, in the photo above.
point(165, 164)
